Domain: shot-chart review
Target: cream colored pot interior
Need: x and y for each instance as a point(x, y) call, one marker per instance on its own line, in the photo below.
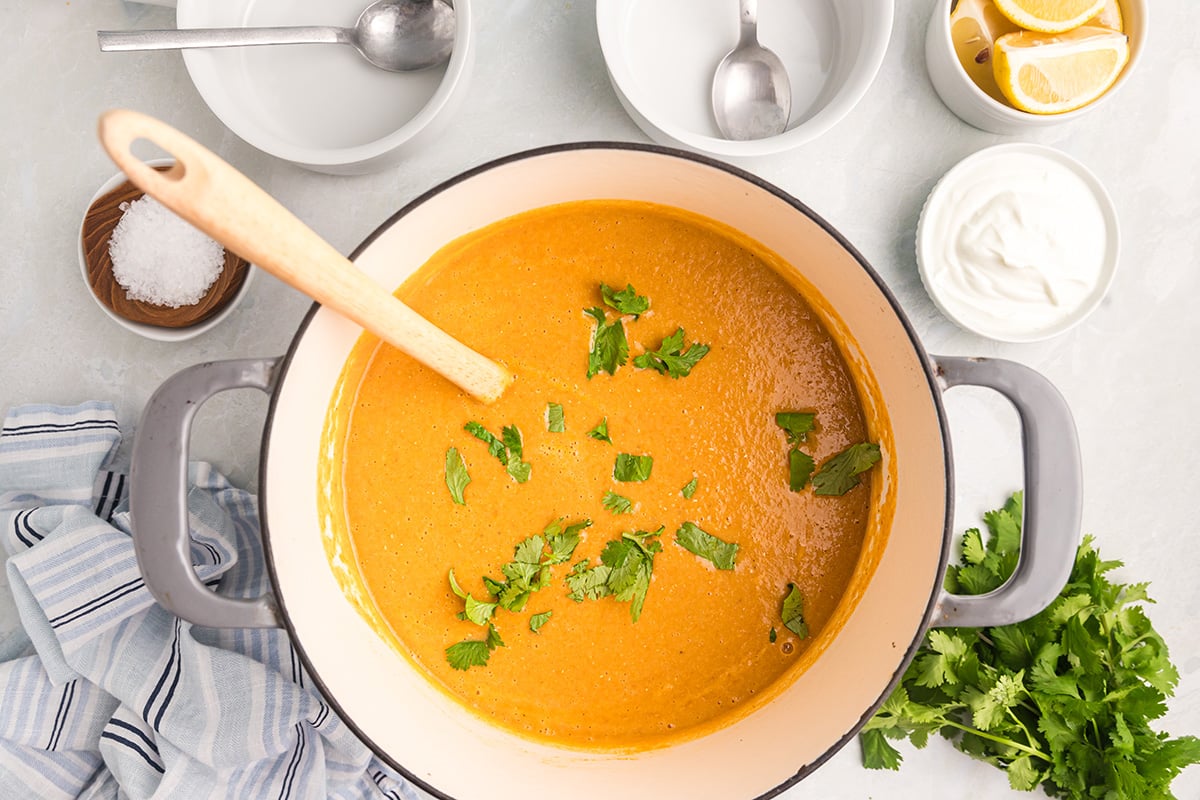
point(456, 753)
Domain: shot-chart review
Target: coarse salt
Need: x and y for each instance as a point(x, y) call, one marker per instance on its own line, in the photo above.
point(161, 259)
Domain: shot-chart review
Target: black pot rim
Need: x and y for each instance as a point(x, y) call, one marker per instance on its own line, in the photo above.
point(926, 365)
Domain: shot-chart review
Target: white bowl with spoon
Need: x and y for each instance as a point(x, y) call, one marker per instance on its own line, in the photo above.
point(661, 56)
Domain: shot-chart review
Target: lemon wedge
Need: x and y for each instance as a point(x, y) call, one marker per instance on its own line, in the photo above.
point(974, 27)
point(1109, 17)
point(1050, 74)
point(1050, 16)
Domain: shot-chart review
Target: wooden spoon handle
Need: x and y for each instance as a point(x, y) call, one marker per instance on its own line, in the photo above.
point(229, 207)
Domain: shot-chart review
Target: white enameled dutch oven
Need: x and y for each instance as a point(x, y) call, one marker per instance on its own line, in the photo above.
point(896, 595)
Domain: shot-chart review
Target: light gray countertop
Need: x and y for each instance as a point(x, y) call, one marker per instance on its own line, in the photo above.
point(1131, 372)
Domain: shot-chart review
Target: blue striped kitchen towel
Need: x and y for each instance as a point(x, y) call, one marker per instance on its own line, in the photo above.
point(104, 694)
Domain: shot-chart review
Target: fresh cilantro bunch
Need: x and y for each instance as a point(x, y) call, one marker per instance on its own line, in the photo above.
point(1062, 700)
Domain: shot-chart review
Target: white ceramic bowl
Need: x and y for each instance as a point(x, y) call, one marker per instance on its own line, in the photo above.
point(952, 191)
point(155, 332)
point(976, 107)
point(661, 56)
point(322, 106)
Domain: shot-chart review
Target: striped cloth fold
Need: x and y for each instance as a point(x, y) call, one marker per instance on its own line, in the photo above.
point(103, 693)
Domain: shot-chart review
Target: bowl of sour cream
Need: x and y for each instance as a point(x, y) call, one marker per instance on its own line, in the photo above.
point(1018, 242)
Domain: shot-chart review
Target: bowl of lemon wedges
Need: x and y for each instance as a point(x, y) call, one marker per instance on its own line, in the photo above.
point(1008, 66)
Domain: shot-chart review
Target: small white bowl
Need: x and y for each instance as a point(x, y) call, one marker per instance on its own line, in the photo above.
point(661, 56)
point(155, 332)
point(322, 106)
point(975, 107)
point(952, 191)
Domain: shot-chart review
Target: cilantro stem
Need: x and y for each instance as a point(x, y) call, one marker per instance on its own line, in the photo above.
point(1018, 720)
point(999, 740)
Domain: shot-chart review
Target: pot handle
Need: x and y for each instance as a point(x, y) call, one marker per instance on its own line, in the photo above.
point(158, 495)
point(1053, 495)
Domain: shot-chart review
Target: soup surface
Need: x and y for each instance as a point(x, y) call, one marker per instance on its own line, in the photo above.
point(709, 644)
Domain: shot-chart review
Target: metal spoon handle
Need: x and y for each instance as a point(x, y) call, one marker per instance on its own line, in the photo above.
point(219, 37)
point(748, 17)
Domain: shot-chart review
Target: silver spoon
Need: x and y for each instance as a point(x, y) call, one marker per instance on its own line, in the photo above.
point(751, 93)
point(396, 35)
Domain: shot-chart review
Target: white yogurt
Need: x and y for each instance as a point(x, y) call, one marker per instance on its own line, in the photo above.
point(1017, 242)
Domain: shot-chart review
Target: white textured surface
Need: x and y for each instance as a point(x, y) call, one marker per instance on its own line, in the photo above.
point(1131, 371)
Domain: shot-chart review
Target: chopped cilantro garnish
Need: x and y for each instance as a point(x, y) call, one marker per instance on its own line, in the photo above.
point(587, 582)
point(800, 467)
point(773, 636)
point(456, 476)
point(610, 349)
point(629, 468)
point(616, 503)
point(530, 568)
point(626, 301)
point(623, 572)
point(555, 421)
point(1063, 699)
point(600, 432)
point(454, 587)
point(689, 488)
point(840, 474)
point(793, 612)
point(631, 561)
point(507, 451)
point(493, 637)
point(467, 654)
point(670, 358)
point(721, 553)
point(478, 612)
point(474, 652)
point(538, 620)
point(796, 424)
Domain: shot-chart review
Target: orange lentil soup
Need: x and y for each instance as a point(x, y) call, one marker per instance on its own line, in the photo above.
point(709, 644)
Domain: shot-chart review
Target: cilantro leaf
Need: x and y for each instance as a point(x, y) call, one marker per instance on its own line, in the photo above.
point(670, 358)
point(588, 582)
point(624, 571)
point(507, 451)
point(616, 503)
point(563, 541)
point(796, 424)
point(773, 635)
point(538, 620)
point(721, 553)
point(529, 571)
point(800, 467)
point(689, 488)
point(626, 301)
point(793, 612)
point(456, 476)
point(470, 653)
point(610, 348)
point(555, 420)
point(600, 432)
point(629, 468)
point(493, 638)
point(840, 473)
point(479, 612)
point(630, 560)
point(454, 587)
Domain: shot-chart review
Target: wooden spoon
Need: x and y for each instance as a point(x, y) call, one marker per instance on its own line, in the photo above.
point(229, 207)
